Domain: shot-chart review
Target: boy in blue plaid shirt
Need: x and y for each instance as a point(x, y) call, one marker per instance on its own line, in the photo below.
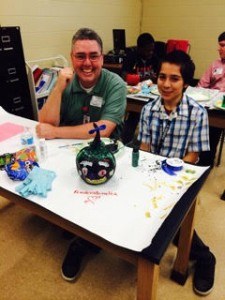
point(174, 125)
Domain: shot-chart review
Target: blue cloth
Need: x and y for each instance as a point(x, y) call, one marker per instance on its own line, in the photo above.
point(188, 130)
point(145, 89)
point(38, 182)
point(19, 169)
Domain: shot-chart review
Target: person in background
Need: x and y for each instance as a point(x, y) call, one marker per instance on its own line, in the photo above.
point(174, 125)
point(144, 62)
point(214, 78)
point(82, 95)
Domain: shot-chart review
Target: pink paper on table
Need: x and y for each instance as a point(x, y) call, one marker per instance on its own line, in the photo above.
point(7, 130)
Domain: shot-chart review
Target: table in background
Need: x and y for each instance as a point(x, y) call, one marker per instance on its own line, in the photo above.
point(135, 102)
point(113, 67)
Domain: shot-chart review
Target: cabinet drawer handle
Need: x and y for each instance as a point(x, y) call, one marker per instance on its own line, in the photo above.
point(17, 100)
point(19, 108)
point(6, 39)
point(11, 71)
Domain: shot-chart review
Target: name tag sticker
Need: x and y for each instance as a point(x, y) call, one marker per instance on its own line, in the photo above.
point(218, 71)
point(96, 101)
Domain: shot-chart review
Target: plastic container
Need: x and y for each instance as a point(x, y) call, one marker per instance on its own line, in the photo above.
point(43, 151)
point(27, 138)
point(132, 79)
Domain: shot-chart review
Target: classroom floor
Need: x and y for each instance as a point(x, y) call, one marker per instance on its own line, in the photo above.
point(32, 250)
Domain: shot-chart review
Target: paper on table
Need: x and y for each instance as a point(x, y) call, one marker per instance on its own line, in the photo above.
point(7, 130)
point(203, 95)
point(127, 211)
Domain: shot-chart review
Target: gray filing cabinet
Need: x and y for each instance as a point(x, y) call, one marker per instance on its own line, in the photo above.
point(14, 88)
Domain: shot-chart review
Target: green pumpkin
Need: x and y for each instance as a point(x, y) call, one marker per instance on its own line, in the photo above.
point(95, 163)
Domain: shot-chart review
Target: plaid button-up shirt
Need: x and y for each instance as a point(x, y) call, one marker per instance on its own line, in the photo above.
point(185, 130)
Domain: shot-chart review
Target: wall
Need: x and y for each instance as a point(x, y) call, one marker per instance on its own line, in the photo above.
point(47, 26)
point(198, 21)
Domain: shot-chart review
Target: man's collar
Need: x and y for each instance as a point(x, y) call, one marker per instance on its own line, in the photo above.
point(76, 87)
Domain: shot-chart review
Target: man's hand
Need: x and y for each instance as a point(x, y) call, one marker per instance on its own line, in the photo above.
point(46, 131)
point(65, 77)
point(50, 112)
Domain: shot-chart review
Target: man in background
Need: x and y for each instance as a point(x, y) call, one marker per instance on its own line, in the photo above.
point(144, 62)
point(214, 78)
point(82, 95)
point(174, 125)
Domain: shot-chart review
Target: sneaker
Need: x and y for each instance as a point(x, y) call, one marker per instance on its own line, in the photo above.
point(71, 266)
point(203, 280)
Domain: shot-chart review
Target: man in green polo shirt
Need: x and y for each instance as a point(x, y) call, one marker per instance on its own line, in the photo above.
point(83, 95)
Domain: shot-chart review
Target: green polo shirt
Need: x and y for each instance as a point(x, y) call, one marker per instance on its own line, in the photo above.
point(107, 101)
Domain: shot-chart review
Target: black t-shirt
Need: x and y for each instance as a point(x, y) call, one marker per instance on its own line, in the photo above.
point(133, 63)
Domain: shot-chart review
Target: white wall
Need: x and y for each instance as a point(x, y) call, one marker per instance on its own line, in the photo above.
point(198, 21)
point(47, 26)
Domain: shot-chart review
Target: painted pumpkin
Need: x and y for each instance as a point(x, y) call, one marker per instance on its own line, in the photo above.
point(96, 163)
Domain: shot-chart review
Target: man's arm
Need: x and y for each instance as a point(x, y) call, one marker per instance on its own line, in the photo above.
point(112, 115)
point(205, 80)
point(49, 131)
point(50, 112)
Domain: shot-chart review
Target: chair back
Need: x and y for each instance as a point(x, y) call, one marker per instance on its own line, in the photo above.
point(172, 45)
point(160, 49)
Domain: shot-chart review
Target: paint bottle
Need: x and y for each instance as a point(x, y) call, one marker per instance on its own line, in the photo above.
point(135, 156)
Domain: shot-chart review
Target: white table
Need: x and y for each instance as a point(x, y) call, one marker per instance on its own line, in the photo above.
point(119, 216)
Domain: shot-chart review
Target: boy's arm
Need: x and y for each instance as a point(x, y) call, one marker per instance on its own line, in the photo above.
point(191, 157)
point(145, 147)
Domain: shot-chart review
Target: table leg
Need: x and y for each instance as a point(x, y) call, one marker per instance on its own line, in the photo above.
point(147, 283)
point(180, 268)
point(221, 141)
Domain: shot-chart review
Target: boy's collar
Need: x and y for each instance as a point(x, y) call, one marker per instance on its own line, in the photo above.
point(175, 107)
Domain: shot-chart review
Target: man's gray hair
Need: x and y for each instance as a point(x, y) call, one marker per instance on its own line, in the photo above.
point(87, 34)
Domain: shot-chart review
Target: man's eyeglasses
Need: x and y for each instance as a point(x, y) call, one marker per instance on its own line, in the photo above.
point(91, 57)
